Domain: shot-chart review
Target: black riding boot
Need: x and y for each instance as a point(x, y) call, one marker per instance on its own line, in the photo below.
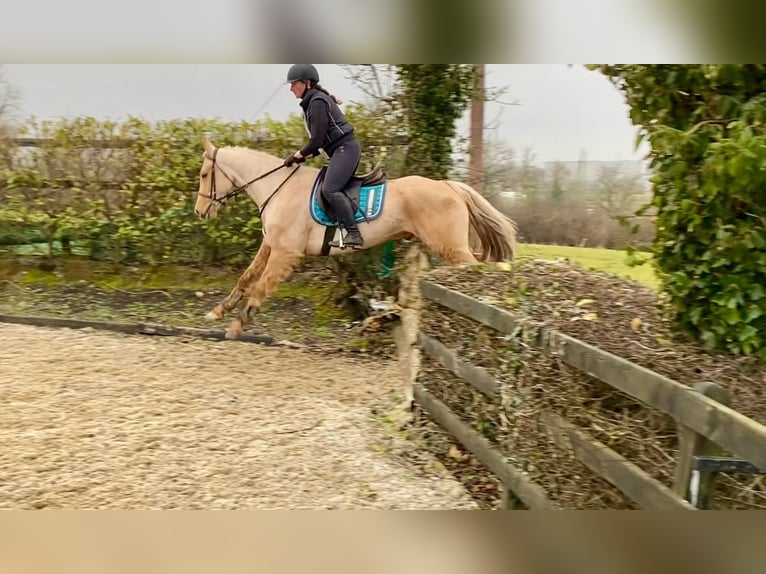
point(344, 210)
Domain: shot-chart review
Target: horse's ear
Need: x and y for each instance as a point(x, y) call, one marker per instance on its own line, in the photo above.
point(209, 147)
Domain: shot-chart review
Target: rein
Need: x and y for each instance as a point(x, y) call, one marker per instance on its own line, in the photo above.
point(237, 189)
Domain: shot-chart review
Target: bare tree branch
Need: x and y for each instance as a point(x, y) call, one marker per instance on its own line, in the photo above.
point(10, 100)
point(9, 111)
point(368, 78)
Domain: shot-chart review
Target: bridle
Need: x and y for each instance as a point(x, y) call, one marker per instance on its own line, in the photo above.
point(237, 189)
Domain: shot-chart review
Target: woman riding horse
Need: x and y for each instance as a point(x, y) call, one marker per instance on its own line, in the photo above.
point(331, 132)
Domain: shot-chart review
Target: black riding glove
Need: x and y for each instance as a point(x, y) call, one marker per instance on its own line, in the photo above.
point(291, 159)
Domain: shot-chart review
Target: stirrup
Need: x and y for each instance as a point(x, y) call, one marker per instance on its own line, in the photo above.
point(340, 244)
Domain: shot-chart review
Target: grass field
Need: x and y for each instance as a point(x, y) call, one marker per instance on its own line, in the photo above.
point(608, 260)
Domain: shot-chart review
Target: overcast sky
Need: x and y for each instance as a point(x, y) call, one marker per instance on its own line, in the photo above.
point(563, 112)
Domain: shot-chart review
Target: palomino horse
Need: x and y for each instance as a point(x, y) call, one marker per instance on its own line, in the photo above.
point(448, 217)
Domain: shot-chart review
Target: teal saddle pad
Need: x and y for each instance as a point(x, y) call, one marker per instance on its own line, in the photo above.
point(368, 201)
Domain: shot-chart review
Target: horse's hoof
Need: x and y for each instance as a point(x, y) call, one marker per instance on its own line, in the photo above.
point(234, 330)
point(233, 334)
point(213, 316)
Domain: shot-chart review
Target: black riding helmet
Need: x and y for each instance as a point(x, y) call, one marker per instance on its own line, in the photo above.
point(302, 72)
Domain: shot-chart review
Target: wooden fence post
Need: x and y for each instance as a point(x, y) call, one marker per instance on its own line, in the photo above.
point(510, 501)
point(694, 444)
point(405, 334)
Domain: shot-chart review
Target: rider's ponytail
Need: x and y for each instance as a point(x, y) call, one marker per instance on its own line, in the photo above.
point(321, 89)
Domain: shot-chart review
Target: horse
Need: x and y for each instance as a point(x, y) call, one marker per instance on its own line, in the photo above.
point(450, 218)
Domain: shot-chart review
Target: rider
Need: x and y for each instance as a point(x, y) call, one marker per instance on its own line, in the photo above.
point(332, 133)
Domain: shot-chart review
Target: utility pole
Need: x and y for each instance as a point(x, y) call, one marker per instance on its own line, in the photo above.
point(476, 149)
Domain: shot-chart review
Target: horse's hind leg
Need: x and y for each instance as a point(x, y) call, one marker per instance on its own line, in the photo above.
point(446, 235)
point(457, 255)
point(250, 275)
point(278, 268)
point(447, 241)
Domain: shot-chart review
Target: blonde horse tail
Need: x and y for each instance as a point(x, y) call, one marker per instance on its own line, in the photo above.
point(495, 232)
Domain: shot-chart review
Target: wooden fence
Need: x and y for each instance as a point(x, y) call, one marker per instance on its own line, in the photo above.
point(704, 420)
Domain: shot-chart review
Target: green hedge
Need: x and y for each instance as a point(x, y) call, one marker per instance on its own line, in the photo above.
point(707, 128)
point(134, 204)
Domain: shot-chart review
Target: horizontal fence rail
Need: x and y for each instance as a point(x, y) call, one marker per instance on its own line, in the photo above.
point(531, 494)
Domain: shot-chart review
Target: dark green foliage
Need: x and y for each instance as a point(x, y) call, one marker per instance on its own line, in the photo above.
point(434, 96)
point(707, 128)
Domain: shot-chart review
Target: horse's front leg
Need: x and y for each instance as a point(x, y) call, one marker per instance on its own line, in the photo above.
point(278, 268)
point(251, 274)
